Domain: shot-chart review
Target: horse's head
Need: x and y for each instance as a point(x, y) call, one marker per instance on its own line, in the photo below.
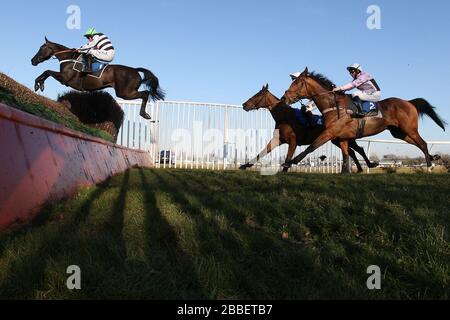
point(298, 89)
point(46, 51)
point(263, 99)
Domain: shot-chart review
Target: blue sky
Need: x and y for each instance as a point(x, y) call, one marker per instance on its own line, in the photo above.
point(224, 51)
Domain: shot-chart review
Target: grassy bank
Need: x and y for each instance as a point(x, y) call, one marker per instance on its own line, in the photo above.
point(176, 234)
point(38, 109)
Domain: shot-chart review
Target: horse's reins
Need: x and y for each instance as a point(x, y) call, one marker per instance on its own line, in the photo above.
point(322, 94)
point(64, 51)
point(54, 55)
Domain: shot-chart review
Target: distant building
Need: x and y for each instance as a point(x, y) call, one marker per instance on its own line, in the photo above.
point(389, 163)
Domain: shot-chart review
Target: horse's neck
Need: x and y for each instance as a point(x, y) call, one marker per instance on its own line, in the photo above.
point(323, 98)
point(279, 110)
point(62, 56)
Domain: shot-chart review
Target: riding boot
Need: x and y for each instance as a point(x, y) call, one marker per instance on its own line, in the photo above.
point(87, 64)
point(359, 105)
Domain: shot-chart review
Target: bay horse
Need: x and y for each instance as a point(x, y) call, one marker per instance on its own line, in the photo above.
point(125, 80)
point(290, 131)
point(399, 116)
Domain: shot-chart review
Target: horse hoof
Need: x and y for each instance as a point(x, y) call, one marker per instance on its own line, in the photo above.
point(374, 165)
point(42, 87)
point(36, 87)
point(286, 165)
point(436, 157)
point(145, 116)
point(243, 168)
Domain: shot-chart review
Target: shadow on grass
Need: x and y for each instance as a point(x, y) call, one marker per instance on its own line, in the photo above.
point(26, 272)
point(260, 264)
point(405, 280)
point(177, 275)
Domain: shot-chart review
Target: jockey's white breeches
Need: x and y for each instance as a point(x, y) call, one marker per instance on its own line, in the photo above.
point(366, 96)
point(103, 55)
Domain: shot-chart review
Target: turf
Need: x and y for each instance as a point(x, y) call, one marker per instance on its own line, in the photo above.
point(39, 110)
point(178, 234)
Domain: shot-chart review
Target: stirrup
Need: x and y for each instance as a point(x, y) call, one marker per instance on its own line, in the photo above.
point(371, 113)
point(359, 114)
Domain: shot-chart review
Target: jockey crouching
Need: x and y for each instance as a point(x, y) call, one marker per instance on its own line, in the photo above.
point(99, 48)
point(367, 88)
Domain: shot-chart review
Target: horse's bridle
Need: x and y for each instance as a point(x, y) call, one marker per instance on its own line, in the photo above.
point(54, 55)
point(305, 84)
point(259, 101)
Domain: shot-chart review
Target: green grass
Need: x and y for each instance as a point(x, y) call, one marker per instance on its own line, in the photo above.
point(176, 234)
point(43, 112)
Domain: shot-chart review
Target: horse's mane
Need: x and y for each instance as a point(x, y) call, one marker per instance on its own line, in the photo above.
point(280, 103)
point(324, 81)
point(283, 105)
point(58, 46)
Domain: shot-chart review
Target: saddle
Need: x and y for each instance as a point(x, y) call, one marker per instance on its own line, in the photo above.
point(363, 109)
point(98, 67)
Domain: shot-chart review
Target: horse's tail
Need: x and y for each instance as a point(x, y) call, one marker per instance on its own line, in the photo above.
point(151, 82)
point(424, 107)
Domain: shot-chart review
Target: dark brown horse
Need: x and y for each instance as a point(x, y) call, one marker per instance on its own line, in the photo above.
point(400, 117)
point(290, 131)
point(125, 80)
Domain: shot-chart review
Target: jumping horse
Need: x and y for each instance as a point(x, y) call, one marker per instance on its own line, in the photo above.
point(125, 80)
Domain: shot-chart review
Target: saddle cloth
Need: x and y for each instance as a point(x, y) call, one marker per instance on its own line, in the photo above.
point(97, 67)
point(305, 121)
point(371, 109)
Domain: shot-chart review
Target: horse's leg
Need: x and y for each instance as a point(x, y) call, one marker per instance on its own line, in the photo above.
point(291, 150)
point(323, 138)
point(136, 95)
point(415, 139)
point(354, 145)
point(352, 155)
point(145, 115)
point(422, 145)
point(275, 142)
point(39, 82)
point(346, 164)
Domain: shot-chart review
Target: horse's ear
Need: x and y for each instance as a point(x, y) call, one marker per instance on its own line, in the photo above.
point(306, 72)
point(266, 86)
point(46, 40)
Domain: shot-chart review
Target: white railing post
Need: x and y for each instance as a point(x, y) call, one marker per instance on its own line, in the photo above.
point(368, 154)
point(156, 135)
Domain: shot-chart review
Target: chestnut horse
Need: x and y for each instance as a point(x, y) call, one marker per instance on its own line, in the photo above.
point(290, 131)
point(125, 80)
point(399, 116)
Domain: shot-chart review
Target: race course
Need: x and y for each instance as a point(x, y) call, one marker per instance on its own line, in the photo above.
point(183, 234)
